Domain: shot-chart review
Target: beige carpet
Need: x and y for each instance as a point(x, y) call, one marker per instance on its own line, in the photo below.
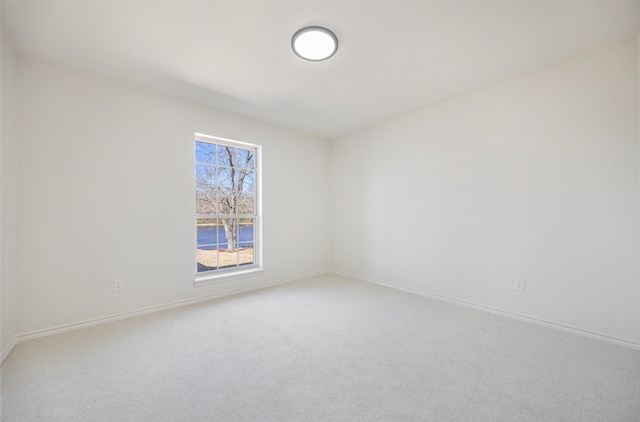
point(322, 349)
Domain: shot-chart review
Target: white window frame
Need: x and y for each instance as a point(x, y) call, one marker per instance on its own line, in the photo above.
point(228, 274)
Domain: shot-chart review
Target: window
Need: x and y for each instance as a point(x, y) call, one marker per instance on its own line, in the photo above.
point(227, 208)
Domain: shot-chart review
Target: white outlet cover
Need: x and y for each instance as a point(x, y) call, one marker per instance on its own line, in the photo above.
point(519, 284)
point(118, 285)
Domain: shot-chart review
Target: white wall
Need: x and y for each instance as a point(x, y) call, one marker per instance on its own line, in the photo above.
point(536, 177)
point(8, 155)
point(106, 191)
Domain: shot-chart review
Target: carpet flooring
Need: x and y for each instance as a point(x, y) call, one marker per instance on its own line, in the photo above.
point(322, 349)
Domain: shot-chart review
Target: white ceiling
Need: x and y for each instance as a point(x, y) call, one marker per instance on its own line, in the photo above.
point(394, 57)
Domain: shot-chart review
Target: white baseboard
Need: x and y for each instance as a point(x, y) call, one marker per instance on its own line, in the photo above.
point(132, 314)
point(7, 350)
point(538, 321)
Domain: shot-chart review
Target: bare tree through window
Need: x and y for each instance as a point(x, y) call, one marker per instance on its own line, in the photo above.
point(225, 183)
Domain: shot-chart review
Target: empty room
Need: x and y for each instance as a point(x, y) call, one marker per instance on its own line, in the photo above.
point(320, 211)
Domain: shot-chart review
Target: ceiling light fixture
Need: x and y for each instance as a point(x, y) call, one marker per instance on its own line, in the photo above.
point(314, 43)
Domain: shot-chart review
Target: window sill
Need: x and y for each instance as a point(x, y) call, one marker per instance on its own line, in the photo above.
point(205, 279)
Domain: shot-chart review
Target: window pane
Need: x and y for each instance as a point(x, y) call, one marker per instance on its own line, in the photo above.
point(226, 178)
point(227, 258)
point(206, 202)
point(205, 176)
point(230, 233)
point(245, 232)
point(207, 239)
point(208, 233)
point(227, 202)
point(246, 182)
point(245, 203)
point(246, 159)
point(205, 152)
point(226, 156)
point(207, 259)
point(245, 253)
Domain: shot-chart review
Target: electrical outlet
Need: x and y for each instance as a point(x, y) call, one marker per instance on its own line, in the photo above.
point(296, 259)
point(519, 284)
point(118, 284)
point(364, 259)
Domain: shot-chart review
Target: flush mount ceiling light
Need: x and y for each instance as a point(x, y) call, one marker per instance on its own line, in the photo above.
point(314, 43)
